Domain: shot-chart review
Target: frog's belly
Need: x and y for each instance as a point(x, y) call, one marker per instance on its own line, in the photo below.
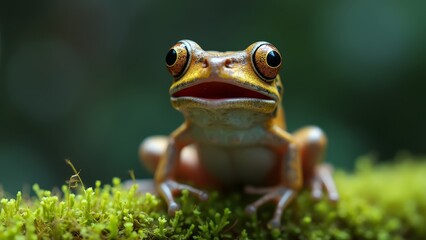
point(237, 165)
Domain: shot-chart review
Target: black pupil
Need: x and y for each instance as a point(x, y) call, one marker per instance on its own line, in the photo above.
point(171, 57)
point(273, 59)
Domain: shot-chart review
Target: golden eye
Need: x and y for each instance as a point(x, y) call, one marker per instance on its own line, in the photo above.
point(177, 59)
point(267, 61)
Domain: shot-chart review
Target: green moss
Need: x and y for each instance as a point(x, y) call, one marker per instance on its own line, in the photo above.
point(377, 202)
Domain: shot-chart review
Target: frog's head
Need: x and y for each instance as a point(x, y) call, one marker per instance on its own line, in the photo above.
point(211, 80)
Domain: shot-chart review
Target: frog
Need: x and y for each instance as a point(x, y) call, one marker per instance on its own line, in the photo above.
point(234, 135)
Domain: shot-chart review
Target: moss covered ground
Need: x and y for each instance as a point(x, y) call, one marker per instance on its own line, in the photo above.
point(377, 202)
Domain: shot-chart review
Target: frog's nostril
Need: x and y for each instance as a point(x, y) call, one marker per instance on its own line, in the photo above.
point(228, 63)
point(205, 63)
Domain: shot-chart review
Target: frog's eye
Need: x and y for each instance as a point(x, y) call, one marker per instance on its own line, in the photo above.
point(177, 59)
point(267, 61)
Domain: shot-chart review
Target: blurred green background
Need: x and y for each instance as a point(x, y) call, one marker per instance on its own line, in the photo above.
point(86, 80)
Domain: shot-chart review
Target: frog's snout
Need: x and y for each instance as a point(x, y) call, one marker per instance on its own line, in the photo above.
point(219, 64)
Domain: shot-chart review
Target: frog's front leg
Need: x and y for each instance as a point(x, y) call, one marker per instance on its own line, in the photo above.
point(167, 169)
point(316, 175)
point(290, 180)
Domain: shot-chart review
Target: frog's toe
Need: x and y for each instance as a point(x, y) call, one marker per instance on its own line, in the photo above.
point(316, 195)
point(173, 207)
point(274, 223)
point(280, 194)
point(168, 188)
point(324, 182)
point(333, 197)
point(203, 196)
point(250, 209)
point(316, 189)
point(261, 201)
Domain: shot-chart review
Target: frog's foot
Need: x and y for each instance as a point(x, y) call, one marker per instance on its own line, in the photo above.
point(280, 194)
point(323, 180)
point(168, 188)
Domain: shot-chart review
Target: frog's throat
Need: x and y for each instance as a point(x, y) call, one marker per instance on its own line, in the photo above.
point(185, 104)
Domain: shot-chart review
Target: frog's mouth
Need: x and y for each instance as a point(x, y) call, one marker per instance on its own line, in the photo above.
point(220, 91)
point(219, 95)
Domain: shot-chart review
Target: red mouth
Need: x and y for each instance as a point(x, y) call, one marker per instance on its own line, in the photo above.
point(219, 90)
